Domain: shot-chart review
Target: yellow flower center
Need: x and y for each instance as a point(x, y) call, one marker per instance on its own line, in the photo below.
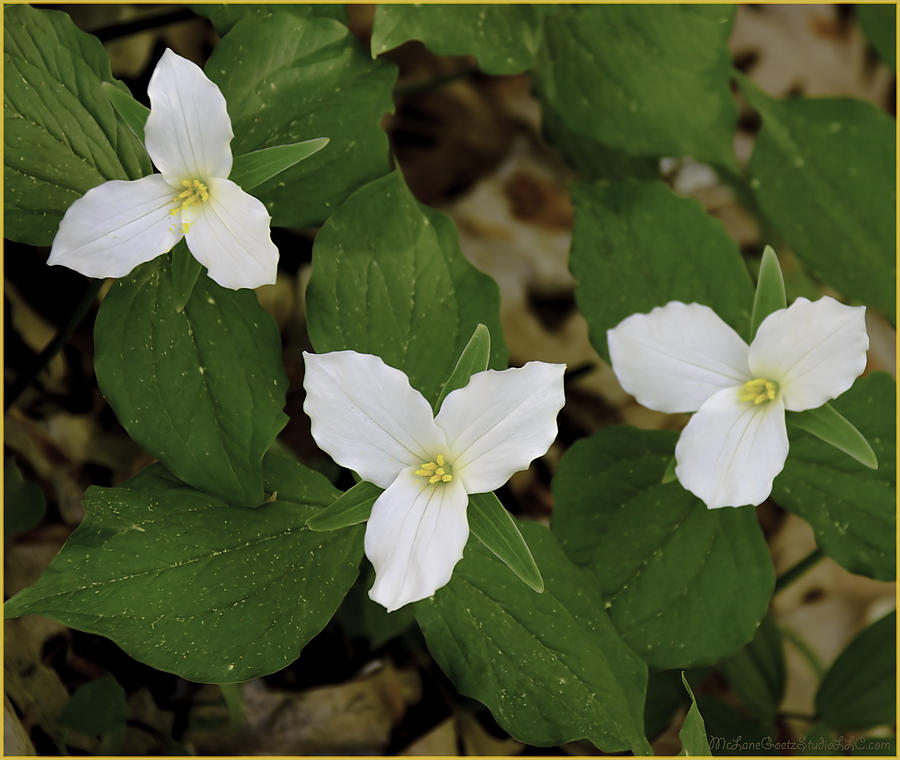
point(437, 471)
point(758, 390)
point(195, 193)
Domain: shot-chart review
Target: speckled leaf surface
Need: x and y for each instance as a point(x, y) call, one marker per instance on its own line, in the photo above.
point(851, 508)
point(649, 82)
point(191, 585)
point(656, 248)
point(503, 38)
point(685, 585)
point(225, 15)
point(550, 666)
point(822, 171)
point(197, 381)
point(389, 279)
point(61, 134)
point(310, 79)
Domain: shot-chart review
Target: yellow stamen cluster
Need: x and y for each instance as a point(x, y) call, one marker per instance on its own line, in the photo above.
point(758, 390)
point(194, 194)
point(437, 471)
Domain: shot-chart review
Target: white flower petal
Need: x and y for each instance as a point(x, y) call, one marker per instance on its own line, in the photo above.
point(229, 235)
point(188, 132)
point(500, 421)
point(813, 350)
point(414, 538)
point(366, 415)
point(116, 226)
point(677, 356)
point(731, 451)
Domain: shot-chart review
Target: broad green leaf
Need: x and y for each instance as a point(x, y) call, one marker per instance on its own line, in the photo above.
point(491, 524)
point(503, 38)
point(859, 689)
point(684, 585)
point(188, 584)
point(693, 731)
point(253, 169)
point(62, 135)
point(199, 385)
point(549, 667)
point(757, 672)
point(24, 503)
point(770, 295)
point(665, 696)
point(475, 357)
point(636, 245)
point(651, 83)
point(850, 507)
point(592, 160)
point(98, 707)
point(309, 79)
point(134, 114)
point(879, 22)
point(388, 279)
point(225, 15)
point(822, 171)
point(832, 427)
point(350, 508)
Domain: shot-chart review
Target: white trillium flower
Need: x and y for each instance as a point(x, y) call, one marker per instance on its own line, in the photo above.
point(684, 358)
point(368, 418)
point(117, 225)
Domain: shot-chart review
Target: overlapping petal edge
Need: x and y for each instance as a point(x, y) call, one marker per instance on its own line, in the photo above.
point(368, 418)
point(684, 358)
point(120, 224)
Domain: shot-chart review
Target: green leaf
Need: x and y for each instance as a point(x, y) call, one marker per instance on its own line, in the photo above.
point(879, 23)
point(134, 114)
point(693, 731)
point(650, 83)
point(592, 160)
point(225, 15)
point(362, 618)
point(97, 708)
point(62, 135)
point(733, 733)
point(757, 672)
point(822, 171)
point(549, 667)
point(309, 79)
point(859, 689)
point(770, 295)
point(504, 38)
point(850, 507)
point(684, 585)
point(24, 503)
point(491, 524)
point(475, 357)
point(253, 169)
point(199, 385)
point(188, 584)
point(388, 278)
point(350, 508)
point(832, 427)
point(655, 247)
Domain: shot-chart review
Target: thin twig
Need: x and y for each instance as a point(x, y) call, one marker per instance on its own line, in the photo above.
point(792, 573)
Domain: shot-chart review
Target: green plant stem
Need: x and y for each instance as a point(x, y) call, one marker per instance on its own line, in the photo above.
point(792, 573)
point(29, 374)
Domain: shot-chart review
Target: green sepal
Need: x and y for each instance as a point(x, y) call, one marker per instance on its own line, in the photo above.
point(669, 475)
point(829, 425)
point(770, 295)
point(185, 273)
point(491, 524)
point(475, 357)
point(693, 731)
point(253, 169)
point(133, 113)
point(350, 508)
